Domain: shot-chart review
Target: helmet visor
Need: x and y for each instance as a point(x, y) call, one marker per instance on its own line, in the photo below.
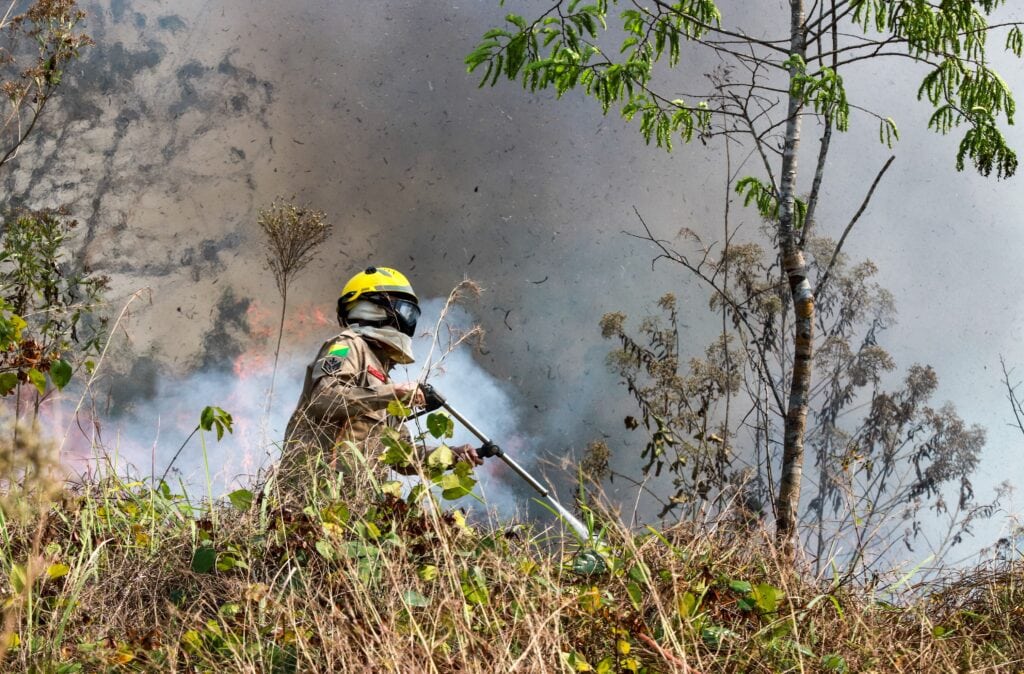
point(402, 313)
point(406, 314)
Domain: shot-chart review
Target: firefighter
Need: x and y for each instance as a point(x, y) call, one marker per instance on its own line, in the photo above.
point(347, 386)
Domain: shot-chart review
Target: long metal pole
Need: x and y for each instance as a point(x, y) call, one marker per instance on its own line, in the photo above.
point(577, 526)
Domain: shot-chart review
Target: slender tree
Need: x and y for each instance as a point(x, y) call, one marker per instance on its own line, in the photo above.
point(798, 72)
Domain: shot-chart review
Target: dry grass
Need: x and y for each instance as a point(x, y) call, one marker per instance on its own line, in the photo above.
point(126, 578)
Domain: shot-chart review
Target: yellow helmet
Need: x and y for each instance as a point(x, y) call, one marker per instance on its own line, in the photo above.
point(387, 288)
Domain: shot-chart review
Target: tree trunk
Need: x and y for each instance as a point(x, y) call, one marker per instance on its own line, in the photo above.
point(788, 499)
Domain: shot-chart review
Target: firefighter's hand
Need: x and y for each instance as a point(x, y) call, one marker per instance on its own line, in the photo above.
point(409, 393)
point(467, 453)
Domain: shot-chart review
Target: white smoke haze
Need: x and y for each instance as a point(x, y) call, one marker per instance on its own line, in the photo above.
point(144, 441)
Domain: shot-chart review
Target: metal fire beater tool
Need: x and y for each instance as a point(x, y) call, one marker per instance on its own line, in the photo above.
point(435, 400)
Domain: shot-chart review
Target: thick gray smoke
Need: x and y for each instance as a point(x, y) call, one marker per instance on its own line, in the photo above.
point(186, 118)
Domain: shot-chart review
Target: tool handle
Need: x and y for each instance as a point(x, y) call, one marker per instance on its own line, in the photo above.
point(434, 399)
point(489, 449)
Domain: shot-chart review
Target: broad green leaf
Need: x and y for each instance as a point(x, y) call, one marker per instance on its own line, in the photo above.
point(325, 549)
point(576, 662)
point(392, 487)
point(427, 572)
point(767, 597)
point(38, 379)
point(714, 635)
point(442, 457)
point(588, 563)
point(8, 382)
point(452, 488)
point(834, 663)
point(241, 499)
point(228, 562)
point(335, 513)
point(474, 586)
point(440, 425)
point(60, 373)
point(204, 559)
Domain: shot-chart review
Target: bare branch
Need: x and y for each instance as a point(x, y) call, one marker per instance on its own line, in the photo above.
point(846, 232)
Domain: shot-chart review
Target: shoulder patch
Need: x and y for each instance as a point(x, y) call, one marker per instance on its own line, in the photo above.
point(330, 364)
point(339, 350)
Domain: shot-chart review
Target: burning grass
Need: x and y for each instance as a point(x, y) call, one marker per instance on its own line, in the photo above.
point(118, 576)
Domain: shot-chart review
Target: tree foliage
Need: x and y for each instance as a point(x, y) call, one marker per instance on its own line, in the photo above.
point(568, 47)
point(46, 297)
point(47, 302)
point(759, 95)
point(878, 477)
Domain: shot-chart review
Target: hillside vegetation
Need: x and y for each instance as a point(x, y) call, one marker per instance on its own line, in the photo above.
point(118, 576)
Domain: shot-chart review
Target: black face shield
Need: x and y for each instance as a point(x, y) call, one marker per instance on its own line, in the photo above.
point(402, 313)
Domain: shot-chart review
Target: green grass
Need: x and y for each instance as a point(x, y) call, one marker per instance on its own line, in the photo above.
point(117, 576)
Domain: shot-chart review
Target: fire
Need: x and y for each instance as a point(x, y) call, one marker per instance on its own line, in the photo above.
point(304, 326)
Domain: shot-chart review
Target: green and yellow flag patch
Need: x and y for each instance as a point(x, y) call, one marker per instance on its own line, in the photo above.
point(339, 350)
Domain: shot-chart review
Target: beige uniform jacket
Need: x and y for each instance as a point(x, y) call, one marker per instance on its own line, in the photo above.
point(344, 397)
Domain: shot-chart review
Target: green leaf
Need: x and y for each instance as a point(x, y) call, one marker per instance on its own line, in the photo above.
point(767, 597)
point(228, 562)
point(474, 586)
point(204, 559)
point(440, 425)
point(458, 483)
point(397, 409)
point(740, 586)
point(8, 382)
point(636, 594)
point(206, 418)
point(588, 563)
point(414, 598)
point(834, 663)
point(442, 457)
point(19, 578)
point(325, 549)
point(336, 513)
point(714, 635)
point(214, 418)
point(241, 499)
point(392, 487)
point(57, 570)
point(38, 379)
point(688, 604)
point(60, 373)
point(427, 572)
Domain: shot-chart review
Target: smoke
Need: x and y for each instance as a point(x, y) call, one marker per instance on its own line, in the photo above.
point(184, 119)
point(154, 413)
